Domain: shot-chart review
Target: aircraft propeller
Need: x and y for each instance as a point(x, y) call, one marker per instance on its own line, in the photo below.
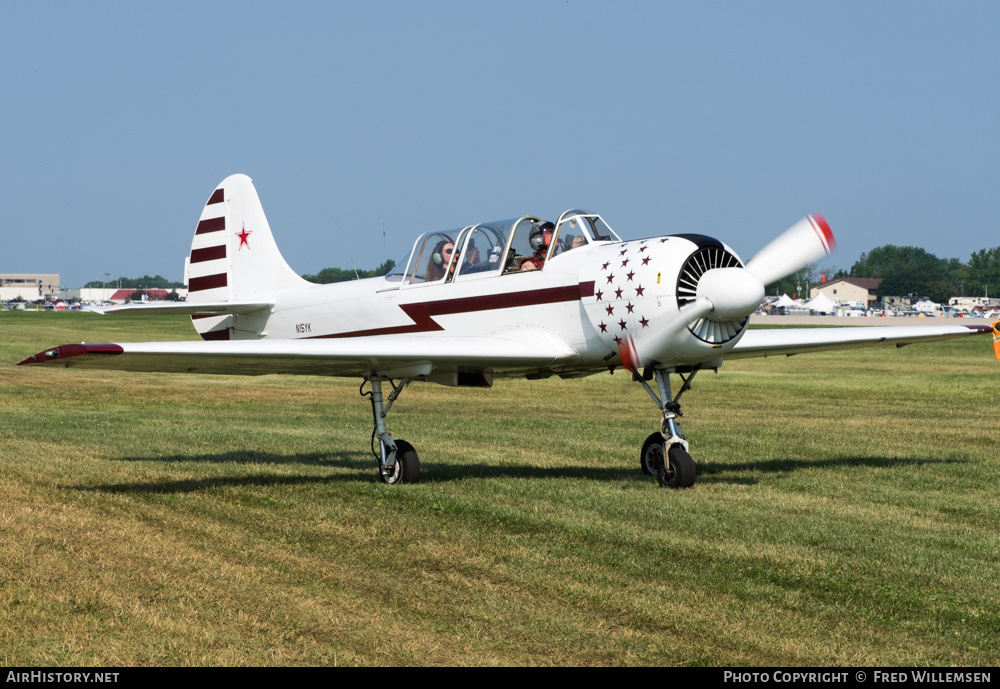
point(728, 294)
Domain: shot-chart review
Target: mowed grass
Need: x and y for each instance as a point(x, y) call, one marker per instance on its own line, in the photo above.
point(845, 513)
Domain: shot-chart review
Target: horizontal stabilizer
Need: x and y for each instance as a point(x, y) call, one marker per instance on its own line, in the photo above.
point(220, 308)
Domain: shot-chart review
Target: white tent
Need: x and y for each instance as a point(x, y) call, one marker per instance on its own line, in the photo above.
point(783, 300)
point(821, 304)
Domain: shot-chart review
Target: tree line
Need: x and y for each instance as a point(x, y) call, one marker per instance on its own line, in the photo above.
point(328, 275)
point(909, 270)
point(145, 282)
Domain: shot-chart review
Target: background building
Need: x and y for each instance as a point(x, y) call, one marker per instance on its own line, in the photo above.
point(849, 289)
point(28, 286)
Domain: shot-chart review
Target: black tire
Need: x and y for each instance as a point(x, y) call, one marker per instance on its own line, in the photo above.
point(651, 456)
point(407, 465)
point(678, 471)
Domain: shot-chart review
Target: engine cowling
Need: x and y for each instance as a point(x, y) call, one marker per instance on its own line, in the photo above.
point(647, 291)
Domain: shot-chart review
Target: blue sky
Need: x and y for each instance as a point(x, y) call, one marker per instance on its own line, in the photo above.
point(732, 119)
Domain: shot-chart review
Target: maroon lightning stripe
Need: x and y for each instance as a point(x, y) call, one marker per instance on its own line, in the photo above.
point(423, 313)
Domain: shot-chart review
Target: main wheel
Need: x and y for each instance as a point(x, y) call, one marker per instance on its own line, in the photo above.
point(651, 456)
point(407, 465)
point(678, 470)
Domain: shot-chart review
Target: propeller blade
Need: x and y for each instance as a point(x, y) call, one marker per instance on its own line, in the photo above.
point(805, 242)
point(636, 352)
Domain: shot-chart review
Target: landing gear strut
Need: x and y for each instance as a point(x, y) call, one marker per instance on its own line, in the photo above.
point(397, 460)
point(665, 454)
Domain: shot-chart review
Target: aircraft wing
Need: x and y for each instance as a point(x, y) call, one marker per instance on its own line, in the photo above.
point(392, 356)
point(788, 341)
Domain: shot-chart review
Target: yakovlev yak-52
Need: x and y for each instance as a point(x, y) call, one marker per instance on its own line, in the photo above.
point(524, 297)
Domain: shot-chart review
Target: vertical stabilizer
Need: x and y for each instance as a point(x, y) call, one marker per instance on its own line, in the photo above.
point(234, 258)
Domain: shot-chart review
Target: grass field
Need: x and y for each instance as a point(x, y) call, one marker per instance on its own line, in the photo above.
point(845, 514)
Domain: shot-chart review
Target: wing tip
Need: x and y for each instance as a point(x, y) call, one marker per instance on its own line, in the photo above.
point(70, 350)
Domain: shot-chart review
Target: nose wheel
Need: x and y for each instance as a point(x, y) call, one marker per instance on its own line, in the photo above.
point(665, 454)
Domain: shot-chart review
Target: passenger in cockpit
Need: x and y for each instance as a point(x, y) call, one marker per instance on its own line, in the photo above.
point(539, 239)
point(439, 261)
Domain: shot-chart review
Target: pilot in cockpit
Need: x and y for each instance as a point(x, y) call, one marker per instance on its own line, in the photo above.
point(539, 239)
point(440, 260)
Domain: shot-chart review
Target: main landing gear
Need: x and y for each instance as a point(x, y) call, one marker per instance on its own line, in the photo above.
point(397, 460)
point(665, 454)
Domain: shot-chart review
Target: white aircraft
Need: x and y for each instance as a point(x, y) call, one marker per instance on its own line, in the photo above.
point(463, 308)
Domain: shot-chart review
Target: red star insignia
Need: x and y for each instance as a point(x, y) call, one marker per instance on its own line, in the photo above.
point(644, 247)
point(605, 266)
point(618, 340)
point(645, 260)
point(663, 240)
point(622, 252)
point(645, 322)
point(610, 278)
point(630, 276)
point(244, 235)
point(622, 324)
point(618, 293)
point(611, 310)
point(624, 263)
point(630, 306)
point(604, 328)
point(599, 295)
point(639, 290)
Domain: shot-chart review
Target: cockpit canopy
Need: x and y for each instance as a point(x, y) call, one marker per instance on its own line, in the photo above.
point(495, 248)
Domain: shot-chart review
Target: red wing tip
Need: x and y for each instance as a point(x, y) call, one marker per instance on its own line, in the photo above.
point(981, 328)
point(824, 227)
point(71, 350)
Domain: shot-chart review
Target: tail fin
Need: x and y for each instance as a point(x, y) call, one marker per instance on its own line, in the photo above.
point(234, 259)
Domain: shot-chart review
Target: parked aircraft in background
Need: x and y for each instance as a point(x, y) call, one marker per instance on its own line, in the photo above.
point(462, 310)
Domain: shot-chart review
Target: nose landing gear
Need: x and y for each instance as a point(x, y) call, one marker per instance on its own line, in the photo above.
point(665, 454)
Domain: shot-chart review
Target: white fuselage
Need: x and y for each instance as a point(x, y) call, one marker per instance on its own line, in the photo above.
point(592, 298)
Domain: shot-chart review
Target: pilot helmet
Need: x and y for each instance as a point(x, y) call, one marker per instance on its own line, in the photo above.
point(537, 237)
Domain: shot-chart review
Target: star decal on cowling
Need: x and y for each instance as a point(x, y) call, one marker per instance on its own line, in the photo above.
point(244, 235)
point(634, 310)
